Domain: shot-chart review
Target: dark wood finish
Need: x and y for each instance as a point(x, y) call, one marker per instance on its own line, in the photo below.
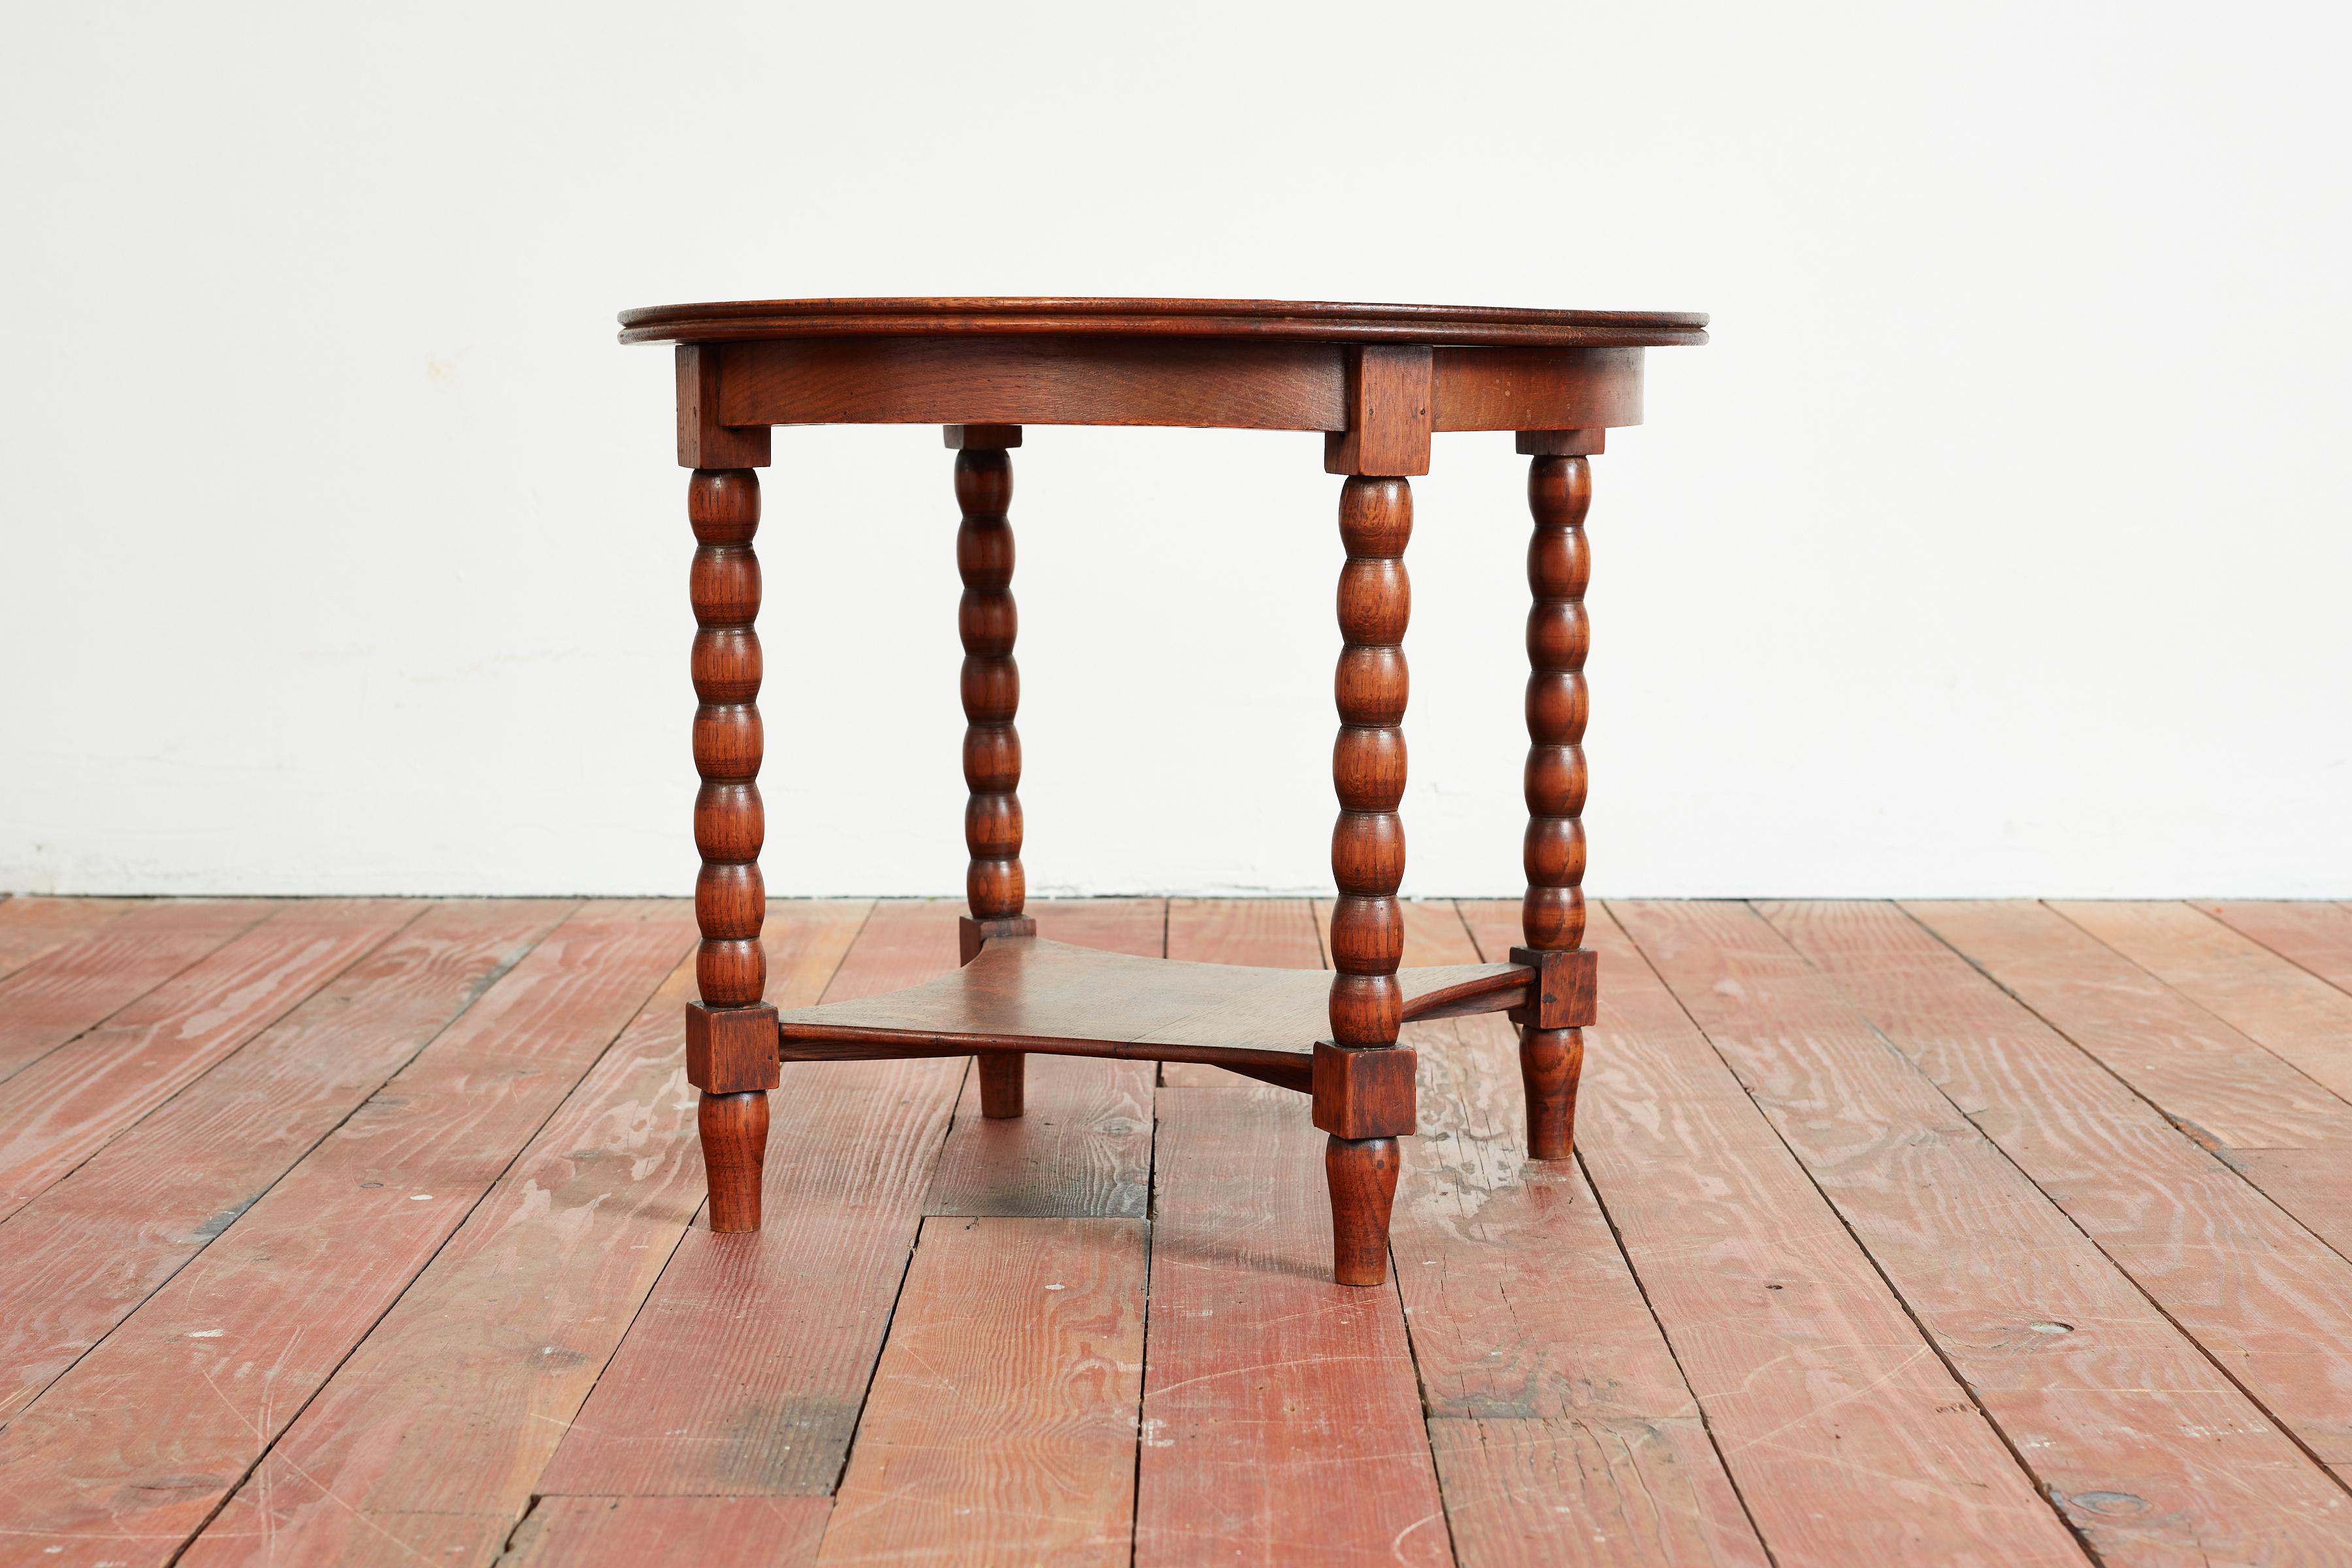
point(994, 885)
point(1362, 1094)
point(1368, 771)
point(1246, 384)
point(1378, 379)
point(1363, 1176)
point(1030, 994)
point(730, 825)
point(972, 934)
point(1561, 996)
point(1584, 443)
point(1314, 320)
point(730, 1050)
point(1388, 412)
point(703, 442)
point(1551, 1057)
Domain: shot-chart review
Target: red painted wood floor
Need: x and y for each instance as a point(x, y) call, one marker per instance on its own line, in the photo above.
point(369, 1231)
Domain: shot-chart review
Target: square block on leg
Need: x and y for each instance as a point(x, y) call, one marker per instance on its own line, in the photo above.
point(970, 934)
point(1563, 992)
point(730, 1050)
point(1364, 1092)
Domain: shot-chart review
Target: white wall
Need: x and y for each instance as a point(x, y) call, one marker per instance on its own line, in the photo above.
point(1998, 543)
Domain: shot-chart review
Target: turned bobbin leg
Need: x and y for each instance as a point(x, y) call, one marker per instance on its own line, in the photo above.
point(1364, 1080)
point(994, 883)
point(730, 1033)
point(1551, 1035)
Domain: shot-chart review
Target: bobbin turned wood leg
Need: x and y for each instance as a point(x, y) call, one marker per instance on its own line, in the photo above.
point(731, 1034)
point(1364, 1080)
point(1551, 1035)
point(994, 884)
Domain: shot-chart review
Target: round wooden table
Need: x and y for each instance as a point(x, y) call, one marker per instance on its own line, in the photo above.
point(1378, 381)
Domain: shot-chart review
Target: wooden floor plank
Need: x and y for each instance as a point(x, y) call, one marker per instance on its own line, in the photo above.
point(2152, 1454)
point(1281, 1422)
point(1849, 1440)
point(32, 927)
point(2300, 1018)
point(139, 1442)
point(2282, 1131)
point(454, 1403)
point(1274, 933)
point(2271, 1302)
point(1588, 1489)
point(73, 988)
point(1001, 1427)
point(2318, 936)
point(743, 1374)
point(73, 1101)
point(630, 1532)
point(1083, 1144)
point(83, 1254)
point(1564, 1429)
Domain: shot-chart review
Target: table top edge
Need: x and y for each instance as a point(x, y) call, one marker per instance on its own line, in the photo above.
point(1323, 321)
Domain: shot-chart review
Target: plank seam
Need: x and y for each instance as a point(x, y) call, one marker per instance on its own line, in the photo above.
point(686, 1230)
point(2181, 996)
point(14, 970)
point(2175, 1122)
point(882, 1346)
point(261, 1029)
point(229, 1494)
point(474, 995)
point(2216, 915)
point(133, 1001)
point(1150, 1251)
point(2284, 1428)
point(1967, 1389)
point(1641, 1289)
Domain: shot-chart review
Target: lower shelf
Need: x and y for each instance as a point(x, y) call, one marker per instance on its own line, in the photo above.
point(1023, 994)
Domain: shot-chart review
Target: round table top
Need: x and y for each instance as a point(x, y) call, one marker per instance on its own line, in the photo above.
point(742, 319)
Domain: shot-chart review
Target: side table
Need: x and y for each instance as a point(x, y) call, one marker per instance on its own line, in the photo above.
point(1377, 380)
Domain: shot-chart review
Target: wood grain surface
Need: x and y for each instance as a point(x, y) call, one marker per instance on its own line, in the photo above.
point(1544, 1372)
point(1084, 1145)
point(1281, 1418)
point(2292, 1013)
point(63, 1108)
point(455, 1401)
point(32, 927)
point(2032, 1318)
point(628, 1532)
point(851, 1154)
point(55, 997)
point(2270, 1302)
point(1848, 1438)
point(1001, 1425)
point(1280, 932)
point(1916, 1253)
point(163, 1418)
point(84, 1253)
point(2315, 936)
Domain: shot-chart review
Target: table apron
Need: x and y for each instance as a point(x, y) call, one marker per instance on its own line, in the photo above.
point(1269, 385)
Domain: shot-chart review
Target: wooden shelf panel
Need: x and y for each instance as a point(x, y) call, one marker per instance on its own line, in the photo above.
point(1023, 994)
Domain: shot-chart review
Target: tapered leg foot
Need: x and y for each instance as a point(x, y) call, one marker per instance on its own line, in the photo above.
point(734, 1146)
point(1363, 1176)
point(1549, 1063)
point(1000, 1085)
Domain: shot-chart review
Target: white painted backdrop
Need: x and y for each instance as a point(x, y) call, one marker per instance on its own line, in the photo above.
point(1998, 543)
